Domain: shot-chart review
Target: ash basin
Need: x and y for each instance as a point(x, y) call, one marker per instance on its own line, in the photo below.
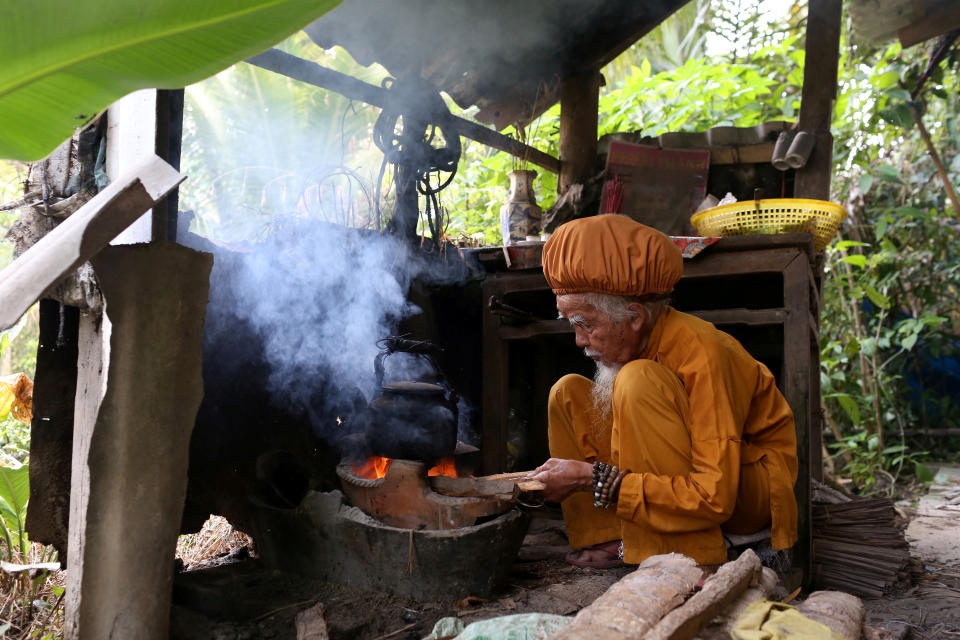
point(327, 539)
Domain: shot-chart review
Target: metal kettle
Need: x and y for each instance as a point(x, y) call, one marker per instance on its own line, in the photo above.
point(412, 419)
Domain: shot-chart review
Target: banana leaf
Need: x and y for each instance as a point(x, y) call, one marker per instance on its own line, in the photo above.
point(14, 494)
point(63, 62)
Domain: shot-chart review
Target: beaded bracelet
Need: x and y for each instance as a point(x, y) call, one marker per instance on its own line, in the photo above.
point(607, 479)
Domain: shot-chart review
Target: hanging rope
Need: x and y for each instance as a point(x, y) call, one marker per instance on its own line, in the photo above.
point(406, 131)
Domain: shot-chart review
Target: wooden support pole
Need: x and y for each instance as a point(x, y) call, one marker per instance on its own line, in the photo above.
point(813, 181)
point(319, 76)
point(167, 145)
point(579, 101)
point(819, 93)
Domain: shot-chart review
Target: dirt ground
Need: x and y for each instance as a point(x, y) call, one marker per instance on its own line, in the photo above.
point(244, 601)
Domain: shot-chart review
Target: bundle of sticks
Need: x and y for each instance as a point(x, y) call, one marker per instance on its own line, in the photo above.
point(859, 546)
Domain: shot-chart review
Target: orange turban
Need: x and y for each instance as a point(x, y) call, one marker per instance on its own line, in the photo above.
point(611, 254)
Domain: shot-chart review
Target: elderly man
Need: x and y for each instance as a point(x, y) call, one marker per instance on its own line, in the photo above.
point(681, 435)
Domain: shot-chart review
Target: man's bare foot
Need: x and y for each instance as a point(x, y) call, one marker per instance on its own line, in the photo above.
point(605, 555)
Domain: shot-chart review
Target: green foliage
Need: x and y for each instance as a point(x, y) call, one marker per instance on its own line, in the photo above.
point(892, 279)
point(868, 460)
point(699, 94)
point(295, 150)
point(703, 94)
point(64, 62)
point(14, 495)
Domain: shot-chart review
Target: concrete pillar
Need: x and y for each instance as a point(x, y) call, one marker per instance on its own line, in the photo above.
point(138, 390)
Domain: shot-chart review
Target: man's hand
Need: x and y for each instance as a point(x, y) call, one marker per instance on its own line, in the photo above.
point(563, 478)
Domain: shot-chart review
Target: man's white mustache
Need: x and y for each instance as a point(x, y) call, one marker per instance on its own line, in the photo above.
point(591, 353)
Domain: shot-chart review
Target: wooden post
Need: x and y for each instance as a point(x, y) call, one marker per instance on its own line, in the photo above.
point(813, 181)
point(579, 101)
point(819, 93)
point(167, 145)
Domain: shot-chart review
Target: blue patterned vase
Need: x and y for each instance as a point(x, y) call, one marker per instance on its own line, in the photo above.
point(520, 215)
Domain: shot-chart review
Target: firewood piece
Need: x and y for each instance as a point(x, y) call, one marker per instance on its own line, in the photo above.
point(485, 487)
point(311, 624)
point(719, 627)
point(719, 590)
point(524, 484)
point(513, 475)
point(840, 611)
point(632, 606)
point(475, 487)
point(530, 486)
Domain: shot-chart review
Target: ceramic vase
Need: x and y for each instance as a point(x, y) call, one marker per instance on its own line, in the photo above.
point(520, 215)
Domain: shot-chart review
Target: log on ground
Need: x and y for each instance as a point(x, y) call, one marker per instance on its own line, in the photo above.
point(840, 611)
point(632, 606)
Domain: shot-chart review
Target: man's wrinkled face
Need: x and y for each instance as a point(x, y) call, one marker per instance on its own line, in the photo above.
point(609, 342)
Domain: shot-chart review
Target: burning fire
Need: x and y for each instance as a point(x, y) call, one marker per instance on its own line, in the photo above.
point(376, 467)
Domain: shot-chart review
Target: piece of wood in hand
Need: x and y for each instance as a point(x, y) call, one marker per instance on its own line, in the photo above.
point(501, 485)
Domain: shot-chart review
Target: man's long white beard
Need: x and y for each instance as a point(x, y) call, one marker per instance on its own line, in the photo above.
point(602, 392)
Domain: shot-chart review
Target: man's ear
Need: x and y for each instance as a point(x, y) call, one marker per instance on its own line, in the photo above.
point(640, 317)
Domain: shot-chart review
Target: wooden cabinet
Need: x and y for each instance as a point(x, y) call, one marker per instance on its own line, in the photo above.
point(763, 290)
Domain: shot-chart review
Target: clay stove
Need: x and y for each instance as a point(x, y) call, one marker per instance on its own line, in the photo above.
point(407, 532)
point(407, 497)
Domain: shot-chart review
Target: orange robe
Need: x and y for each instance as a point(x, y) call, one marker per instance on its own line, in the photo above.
point(708, 438)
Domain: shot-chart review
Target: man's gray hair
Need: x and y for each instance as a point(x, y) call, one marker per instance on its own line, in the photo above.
point(617, 307)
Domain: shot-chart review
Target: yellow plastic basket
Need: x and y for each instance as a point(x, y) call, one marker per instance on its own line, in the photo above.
point(778, 215)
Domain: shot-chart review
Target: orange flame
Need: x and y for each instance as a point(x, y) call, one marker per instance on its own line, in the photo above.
point(446, 467)
point(376, 467)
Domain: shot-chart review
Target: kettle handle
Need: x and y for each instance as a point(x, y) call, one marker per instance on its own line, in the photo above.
point(402, 344)
point(420, 348)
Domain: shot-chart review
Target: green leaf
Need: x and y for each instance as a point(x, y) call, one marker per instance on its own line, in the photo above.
point(65, 62)
point(876, 297)
point(899, 94)
point(866, 181)
point(898, 115)
point(14, 494)
point(908, 342)
point(857, 260)
point(922, 472)
point(881, 229)
point(846, 244)
point(889, 174)
point(849, 405)
point(885, 80)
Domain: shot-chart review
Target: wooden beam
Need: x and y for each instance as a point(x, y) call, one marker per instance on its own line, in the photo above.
point(579, 99)
point(320, 76)
point(937, 23)
point(82, 235)
point(819, 93)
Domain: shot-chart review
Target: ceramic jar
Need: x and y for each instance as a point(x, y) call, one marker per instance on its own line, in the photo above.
point(520, 215)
